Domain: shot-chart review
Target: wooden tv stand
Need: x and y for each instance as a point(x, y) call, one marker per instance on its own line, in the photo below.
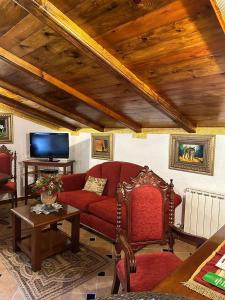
point(36, 164)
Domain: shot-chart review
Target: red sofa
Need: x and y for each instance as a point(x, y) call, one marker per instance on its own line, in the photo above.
point(99, 212)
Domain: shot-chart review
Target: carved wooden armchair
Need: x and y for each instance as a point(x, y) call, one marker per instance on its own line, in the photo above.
point(8, 174)
point(144, 202)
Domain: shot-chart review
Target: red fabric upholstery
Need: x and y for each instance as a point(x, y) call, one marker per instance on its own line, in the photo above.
point(73, 182)
point(8, 187)
point(95, 171)
point(79, 199)
point(151, 269)
point(106, 210)
point(5, 163)
point(102, 208)
point(177, 200)
point(129, 170)
point(146, 214)
point(98, 224)
point(112, 173)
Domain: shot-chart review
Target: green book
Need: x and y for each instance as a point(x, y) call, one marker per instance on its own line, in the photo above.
point(215, 279)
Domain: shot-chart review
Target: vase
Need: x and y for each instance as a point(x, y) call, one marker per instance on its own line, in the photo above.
point(48, 199)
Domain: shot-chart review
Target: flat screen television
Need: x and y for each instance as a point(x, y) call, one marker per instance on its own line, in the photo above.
point(49, 145)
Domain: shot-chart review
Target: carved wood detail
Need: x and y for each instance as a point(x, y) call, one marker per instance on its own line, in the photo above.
point(146, 177)
point(123, 238)
point(4, 149)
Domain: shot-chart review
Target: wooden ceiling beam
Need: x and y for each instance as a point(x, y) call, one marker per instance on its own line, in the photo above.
point(218, 6)
point(29, 96)
point(60, 23)
point(31, 112)
point(31, 69)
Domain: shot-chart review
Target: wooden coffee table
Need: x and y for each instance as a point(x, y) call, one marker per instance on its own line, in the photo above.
point(46, 238)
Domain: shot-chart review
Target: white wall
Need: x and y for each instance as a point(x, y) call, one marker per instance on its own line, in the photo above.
point(154, 152)
point(21, 130)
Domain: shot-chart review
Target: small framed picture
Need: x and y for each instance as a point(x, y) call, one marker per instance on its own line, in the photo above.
point(102, 146)
point(6, 128)
point(192, 153)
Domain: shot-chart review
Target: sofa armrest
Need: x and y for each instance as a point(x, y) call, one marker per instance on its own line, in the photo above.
point(73, 182)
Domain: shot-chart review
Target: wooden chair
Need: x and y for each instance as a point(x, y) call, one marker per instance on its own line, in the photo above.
point(8, 167)
point(141, 221)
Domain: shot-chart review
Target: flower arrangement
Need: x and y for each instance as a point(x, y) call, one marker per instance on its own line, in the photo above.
point(50, 184)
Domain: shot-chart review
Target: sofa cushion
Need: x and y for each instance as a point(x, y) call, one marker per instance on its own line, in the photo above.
point(98, 224)
point(73, 182)
point(128, 171)
point(79, 199)
point(95, 171)
point(106, 210)
point(112, 172)
point(115, 172)
point(94, 184)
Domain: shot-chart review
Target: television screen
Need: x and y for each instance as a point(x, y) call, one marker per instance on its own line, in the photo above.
point(49, 145)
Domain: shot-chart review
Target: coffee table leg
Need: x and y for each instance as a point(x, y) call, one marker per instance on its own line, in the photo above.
point(16, 226)
point(75, 233)
point(54, 226)
point(36, 249)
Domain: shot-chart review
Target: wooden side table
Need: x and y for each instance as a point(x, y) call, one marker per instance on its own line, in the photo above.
point(46, 238)
point(42, 163)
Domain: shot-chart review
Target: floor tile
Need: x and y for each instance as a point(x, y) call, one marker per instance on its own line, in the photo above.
point(101, 285)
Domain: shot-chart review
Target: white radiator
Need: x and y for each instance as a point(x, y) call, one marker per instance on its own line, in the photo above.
point(203, 212)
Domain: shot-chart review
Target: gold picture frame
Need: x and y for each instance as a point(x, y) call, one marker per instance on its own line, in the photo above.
point(6, 128)
point(102, 146)
point(192, 153)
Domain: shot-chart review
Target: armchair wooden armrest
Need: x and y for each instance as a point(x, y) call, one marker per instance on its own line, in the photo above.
point(129, 254)
point(188, 237)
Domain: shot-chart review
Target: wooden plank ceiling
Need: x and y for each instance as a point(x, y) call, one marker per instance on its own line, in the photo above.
point(114, 64)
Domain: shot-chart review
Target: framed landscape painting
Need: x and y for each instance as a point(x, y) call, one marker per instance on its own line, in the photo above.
point(192, 153)
point(6, 134)
point(102, 146)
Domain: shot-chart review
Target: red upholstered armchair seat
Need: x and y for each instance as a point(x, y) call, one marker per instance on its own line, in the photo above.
point(8, 174)
point(8, 187)
point(145, 279)
point(99, 212)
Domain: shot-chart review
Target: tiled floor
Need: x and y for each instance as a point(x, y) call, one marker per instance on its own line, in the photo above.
point(99, 285)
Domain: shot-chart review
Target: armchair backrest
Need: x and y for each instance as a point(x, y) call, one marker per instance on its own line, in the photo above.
point(145, 200)
point(114, 172)
point(7, 161)
point(146, 214)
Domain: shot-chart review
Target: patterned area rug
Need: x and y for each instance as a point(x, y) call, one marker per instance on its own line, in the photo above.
point(58, 275)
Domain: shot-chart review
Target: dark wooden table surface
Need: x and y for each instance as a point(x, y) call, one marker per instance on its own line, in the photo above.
point(46, 239)
point(173, 283)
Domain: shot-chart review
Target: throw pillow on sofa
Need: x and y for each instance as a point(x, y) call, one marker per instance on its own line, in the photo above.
point(95, 185)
